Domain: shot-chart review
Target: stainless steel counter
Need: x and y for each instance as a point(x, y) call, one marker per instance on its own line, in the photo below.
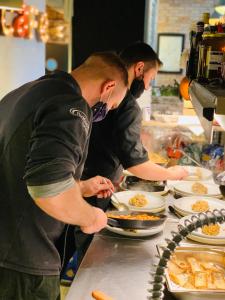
point(119, 266)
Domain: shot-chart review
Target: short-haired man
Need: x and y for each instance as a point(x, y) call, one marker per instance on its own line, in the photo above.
point(44, 131)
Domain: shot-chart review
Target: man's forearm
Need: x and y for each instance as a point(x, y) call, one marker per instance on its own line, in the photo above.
point(150, 171)
point(68, 207)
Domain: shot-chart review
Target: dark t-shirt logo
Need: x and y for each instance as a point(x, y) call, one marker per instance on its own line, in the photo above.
point(77, 113)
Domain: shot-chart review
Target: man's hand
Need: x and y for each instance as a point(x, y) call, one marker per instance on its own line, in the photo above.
point(99, 223)
point(98, 185)
point(177, 173)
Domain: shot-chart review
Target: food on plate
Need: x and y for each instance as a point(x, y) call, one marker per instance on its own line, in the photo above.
point(200, 206)
point(199, 188)
point(157, 158)
point(198, 173)
point(142, 217)
point(212, 229)
point(191, 273)
point(138, 200)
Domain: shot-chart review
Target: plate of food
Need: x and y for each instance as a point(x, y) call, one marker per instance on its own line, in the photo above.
point(197, 173)
point(141, 201)
point(197, 204)
point(135, 232)
point(196, 273)
point(208, 234)
point(188, 188)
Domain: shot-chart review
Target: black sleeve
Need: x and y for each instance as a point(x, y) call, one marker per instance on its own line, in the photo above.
point(60, 133)
point(127, 129)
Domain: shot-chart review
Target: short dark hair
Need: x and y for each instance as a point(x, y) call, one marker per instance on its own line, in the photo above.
point(140, 51)
point(113, 60)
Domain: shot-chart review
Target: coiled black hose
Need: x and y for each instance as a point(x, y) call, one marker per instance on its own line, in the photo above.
point(195, 221)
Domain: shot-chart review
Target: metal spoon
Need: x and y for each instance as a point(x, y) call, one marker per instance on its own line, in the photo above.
point(120, 206)
point(192, 159)
point(173, 211)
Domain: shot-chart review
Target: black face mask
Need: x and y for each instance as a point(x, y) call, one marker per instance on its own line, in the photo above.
point(137, 87)
point(100, 111)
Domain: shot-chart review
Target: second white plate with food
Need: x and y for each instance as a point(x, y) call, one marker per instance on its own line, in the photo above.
point(141, 201)
point(197, 188)
point(197, 173)
point(212, 234)
point(197, 204)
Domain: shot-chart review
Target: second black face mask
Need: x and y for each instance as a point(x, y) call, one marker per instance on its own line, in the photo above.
point(137, 87)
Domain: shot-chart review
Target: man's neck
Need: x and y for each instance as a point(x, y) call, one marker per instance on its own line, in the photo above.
point(89, 87)
point(131, 76)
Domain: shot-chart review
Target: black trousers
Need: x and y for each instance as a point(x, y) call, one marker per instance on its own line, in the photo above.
point(21, 286)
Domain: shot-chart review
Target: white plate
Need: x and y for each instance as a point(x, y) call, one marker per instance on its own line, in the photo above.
point(184, 205)
point(155, 204)
point(137, 232)
point(206, 240)
point(193, 171)
point(198, 236)
point(185, 188)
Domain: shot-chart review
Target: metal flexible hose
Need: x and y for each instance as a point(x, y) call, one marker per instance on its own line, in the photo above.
point(195, 221)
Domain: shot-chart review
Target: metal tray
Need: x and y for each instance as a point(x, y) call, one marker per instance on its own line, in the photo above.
point(202, 253)
point(134, 183)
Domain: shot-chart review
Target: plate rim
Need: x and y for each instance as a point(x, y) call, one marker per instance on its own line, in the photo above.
point(202, 179)
point(159, 229)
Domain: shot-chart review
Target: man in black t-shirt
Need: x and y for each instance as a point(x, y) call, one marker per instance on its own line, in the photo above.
point(44, 132)
point(115, 142)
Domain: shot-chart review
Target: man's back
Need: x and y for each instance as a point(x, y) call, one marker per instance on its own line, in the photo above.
point(24, 228)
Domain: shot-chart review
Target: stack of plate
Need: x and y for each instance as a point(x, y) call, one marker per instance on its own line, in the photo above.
point(184, 205)
point(155, 204)
point(200, 237)
point(184, 188)
point(197, 173)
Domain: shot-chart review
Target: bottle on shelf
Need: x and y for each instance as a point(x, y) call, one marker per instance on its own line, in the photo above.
point(205, 18)
point(211, 52)
point(195, 41)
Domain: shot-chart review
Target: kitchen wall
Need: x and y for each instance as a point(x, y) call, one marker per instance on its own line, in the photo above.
point(176, 16)
point(21, 60)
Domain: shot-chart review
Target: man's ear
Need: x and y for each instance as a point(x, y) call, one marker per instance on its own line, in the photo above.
point(139, 68)
point(108, 86)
